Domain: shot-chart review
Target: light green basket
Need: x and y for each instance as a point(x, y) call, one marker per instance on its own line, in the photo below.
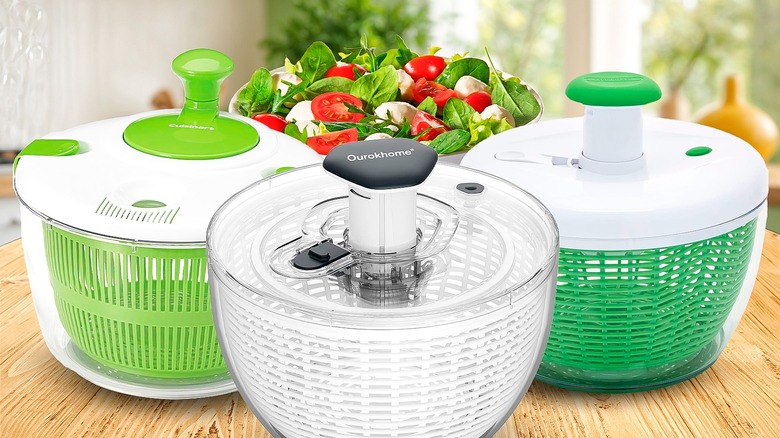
point(642, 314)
point(138, 309)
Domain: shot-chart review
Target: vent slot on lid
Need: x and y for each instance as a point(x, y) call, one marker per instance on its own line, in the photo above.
point(163, 215)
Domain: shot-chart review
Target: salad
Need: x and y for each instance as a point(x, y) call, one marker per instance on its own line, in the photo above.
point(448, 104)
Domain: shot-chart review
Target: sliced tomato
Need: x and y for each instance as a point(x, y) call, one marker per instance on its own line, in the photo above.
point(329, 107)
point(426, 66)
point(424, 88)
point(273, 121)
point(479, 100)
point(324, 143)
point(423, 121)
point(344, 71)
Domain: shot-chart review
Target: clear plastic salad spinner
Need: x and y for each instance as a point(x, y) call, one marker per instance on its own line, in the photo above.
point(114, 234)
point(662, 224)
point(382, 295)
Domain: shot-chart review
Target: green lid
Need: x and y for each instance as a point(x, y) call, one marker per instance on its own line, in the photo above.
point(198, 132)
point(612, 88)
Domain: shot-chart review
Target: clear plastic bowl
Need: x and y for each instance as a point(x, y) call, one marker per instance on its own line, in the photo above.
point(448, 350)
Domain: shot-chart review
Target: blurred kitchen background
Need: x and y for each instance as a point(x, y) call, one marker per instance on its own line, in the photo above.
point(63, 63)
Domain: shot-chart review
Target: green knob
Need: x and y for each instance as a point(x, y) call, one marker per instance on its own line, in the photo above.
point(202, 72)
point(197, 132)
point(612, 88)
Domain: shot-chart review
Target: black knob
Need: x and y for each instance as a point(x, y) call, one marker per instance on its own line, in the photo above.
point(392, 163)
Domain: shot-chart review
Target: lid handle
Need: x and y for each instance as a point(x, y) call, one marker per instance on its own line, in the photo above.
point(612, 126)
point(202, 72)
point(383, 176)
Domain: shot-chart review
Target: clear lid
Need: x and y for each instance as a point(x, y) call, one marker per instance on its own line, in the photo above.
point(286, 244)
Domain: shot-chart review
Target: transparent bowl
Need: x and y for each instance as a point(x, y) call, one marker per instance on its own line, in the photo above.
point(448, 348)
point(131, 317)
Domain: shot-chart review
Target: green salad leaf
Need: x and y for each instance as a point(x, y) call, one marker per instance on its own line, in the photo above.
point(455, 70)
point(365, 127)
point(429, 106)
point(513, 95)
point(317, 60)
point(397, 57)
point(404, 131)
point(376, 88)
point(278, 104)
point(292, 130)
point(481, 129)
point(258, 94)
point(450, 141)
point(324, 85)
point(457, 113)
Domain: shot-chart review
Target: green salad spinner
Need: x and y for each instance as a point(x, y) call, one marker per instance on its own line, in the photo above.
point(662, 225)
point(114, 230)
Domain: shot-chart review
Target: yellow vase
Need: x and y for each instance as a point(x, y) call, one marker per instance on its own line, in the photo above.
point(743, 120)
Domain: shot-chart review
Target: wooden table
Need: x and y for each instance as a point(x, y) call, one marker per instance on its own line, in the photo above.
point(738, 396)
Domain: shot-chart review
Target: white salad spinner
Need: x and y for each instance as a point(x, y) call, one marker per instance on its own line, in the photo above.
point(662, 224)
point(114, 234)
point(382, 295)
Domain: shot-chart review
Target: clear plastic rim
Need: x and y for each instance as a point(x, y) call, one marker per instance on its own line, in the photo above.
point(111, 239)
point(356, 316)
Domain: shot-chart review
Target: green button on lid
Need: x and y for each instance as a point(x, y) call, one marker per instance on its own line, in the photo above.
point(611, 88)
point(198, 132)
point(698, 151)
point(49, 147)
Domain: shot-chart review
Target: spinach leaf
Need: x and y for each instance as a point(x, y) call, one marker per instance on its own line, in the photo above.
point(256, 97)
point(455, 70)
point(515, 97)
point(429, 106)
point(456, 114)
point(317, 59)
point(324, 85)
point(292, 130)
point(376, 88)
point(450, 141)
point(244, 101)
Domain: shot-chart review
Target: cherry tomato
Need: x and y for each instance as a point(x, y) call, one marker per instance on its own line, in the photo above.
point(479, 100)
point(329, 107)
point(423, 88)
point(273, 121)
point(324, 143)
point(344, 71)
point(426, 66)
point(423, 121)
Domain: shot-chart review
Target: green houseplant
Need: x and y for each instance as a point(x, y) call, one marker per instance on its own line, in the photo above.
point(340, 23)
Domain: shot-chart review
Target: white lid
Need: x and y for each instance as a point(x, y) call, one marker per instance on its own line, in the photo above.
point(671, 195)
point(95, 190)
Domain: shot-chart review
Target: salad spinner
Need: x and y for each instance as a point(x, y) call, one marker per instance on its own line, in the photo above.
point(382, 295)
point(662, 224)
point(114, 234)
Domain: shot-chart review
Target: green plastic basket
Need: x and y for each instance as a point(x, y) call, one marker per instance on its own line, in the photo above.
point(138, 309)
point(642, 313)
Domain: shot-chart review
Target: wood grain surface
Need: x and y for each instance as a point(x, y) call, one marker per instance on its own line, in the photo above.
point(738, 396)
point(6, 186)
point(774, 183)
